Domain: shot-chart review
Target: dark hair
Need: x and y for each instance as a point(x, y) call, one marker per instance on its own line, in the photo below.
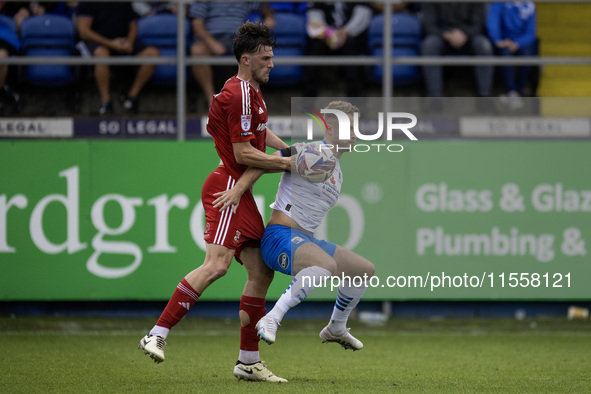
point(250, 37)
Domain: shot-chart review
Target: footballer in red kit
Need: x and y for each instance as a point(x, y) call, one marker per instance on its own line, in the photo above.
point(238, 114)
point(238, 124)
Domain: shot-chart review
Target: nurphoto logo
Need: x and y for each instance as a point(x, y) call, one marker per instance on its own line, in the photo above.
point(390, 119)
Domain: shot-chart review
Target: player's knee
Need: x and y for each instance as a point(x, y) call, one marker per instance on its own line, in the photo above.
point(370, 270)
point(215, 268)
point(218, 272)
point(331, 265)
point(365, 268)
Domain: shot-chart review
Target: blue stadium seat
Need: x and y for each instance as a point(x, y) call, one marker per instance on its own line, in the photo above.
point(48, 35)
point(8, 22)
point(292, 7)
point(290, 35)
point(161, 31)
point(406, 41)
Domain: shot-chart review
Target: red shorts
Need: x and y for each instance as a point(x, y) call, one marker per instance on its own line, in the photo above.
point(232, 230)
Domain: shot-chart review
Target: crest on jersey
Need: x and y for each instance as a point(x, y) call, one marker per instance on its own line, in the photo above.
point(245, 122)
point(283, 260)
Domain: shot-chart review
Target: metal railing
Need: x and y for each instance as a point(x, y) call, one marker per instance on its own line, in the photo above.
point(386, 60)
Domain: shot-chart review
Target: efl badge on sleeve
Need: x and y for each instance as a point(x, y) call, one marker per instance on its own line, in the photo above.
point(245, 122)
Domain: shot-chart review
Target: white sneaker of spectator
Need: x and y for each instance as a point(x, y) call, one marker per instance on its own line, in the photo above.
point(512, 101)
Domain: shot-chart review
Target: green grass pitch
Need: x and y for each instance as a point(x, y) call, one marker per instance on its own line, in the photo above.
point(73, 355)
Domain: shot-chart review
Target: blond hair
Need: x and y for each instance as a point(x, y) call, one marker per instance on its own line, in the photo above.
point(343, 106)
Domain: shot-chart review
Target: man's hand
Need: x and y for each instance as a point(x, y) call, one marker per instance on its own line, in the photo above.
point(315, 29)
point(127, 45)
point(511, 45)
point(336, 38)
point(228, 198)
point(121, 45)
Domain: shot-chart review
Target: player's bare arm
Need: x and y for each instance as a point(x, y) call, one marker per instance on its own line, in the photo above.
point(247, 155)
point(231, 197)
point(274, 142)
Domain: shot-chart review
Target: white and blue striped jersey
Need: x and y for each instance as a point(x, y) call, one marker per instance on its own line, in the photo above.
point(304, 202)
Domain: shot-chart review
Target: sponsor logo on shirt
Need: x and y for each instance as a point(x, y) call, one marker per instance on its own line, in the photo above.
point(297, 240)
point(283, 260)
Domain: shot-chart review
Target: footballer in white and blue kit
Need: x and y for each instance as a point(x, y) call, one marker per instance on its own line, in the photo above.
point(289, 246)
point(306, 203)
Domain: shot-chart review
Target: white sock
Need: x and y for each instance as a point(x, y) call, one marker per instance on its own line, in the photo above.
point(347, 299)
point(160, 331)
point(300, 287)
point(249, 356)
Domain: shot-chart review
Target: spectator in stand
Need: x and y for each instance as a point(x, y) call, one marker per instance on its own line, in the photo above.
point(213, 25)
point(9, 46)
point(22, 10)
point(512, 28)
point(9, 38)
point(338, 28)
point(110, 29)
point(455, 28)
point(18, 11)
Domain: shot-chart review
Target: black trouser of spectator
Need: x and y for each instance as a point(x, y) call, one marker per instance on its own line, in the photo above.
point(516, 78)
point(354, 46)
point(478, 45)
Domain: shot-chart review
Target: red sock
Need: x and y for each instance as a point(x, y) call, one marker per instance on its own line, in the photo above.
point(255, 308)
point(183, 298)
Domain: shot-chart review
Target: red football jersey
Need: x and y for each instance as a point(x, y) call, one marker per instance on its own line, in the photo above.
point(238, 113)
